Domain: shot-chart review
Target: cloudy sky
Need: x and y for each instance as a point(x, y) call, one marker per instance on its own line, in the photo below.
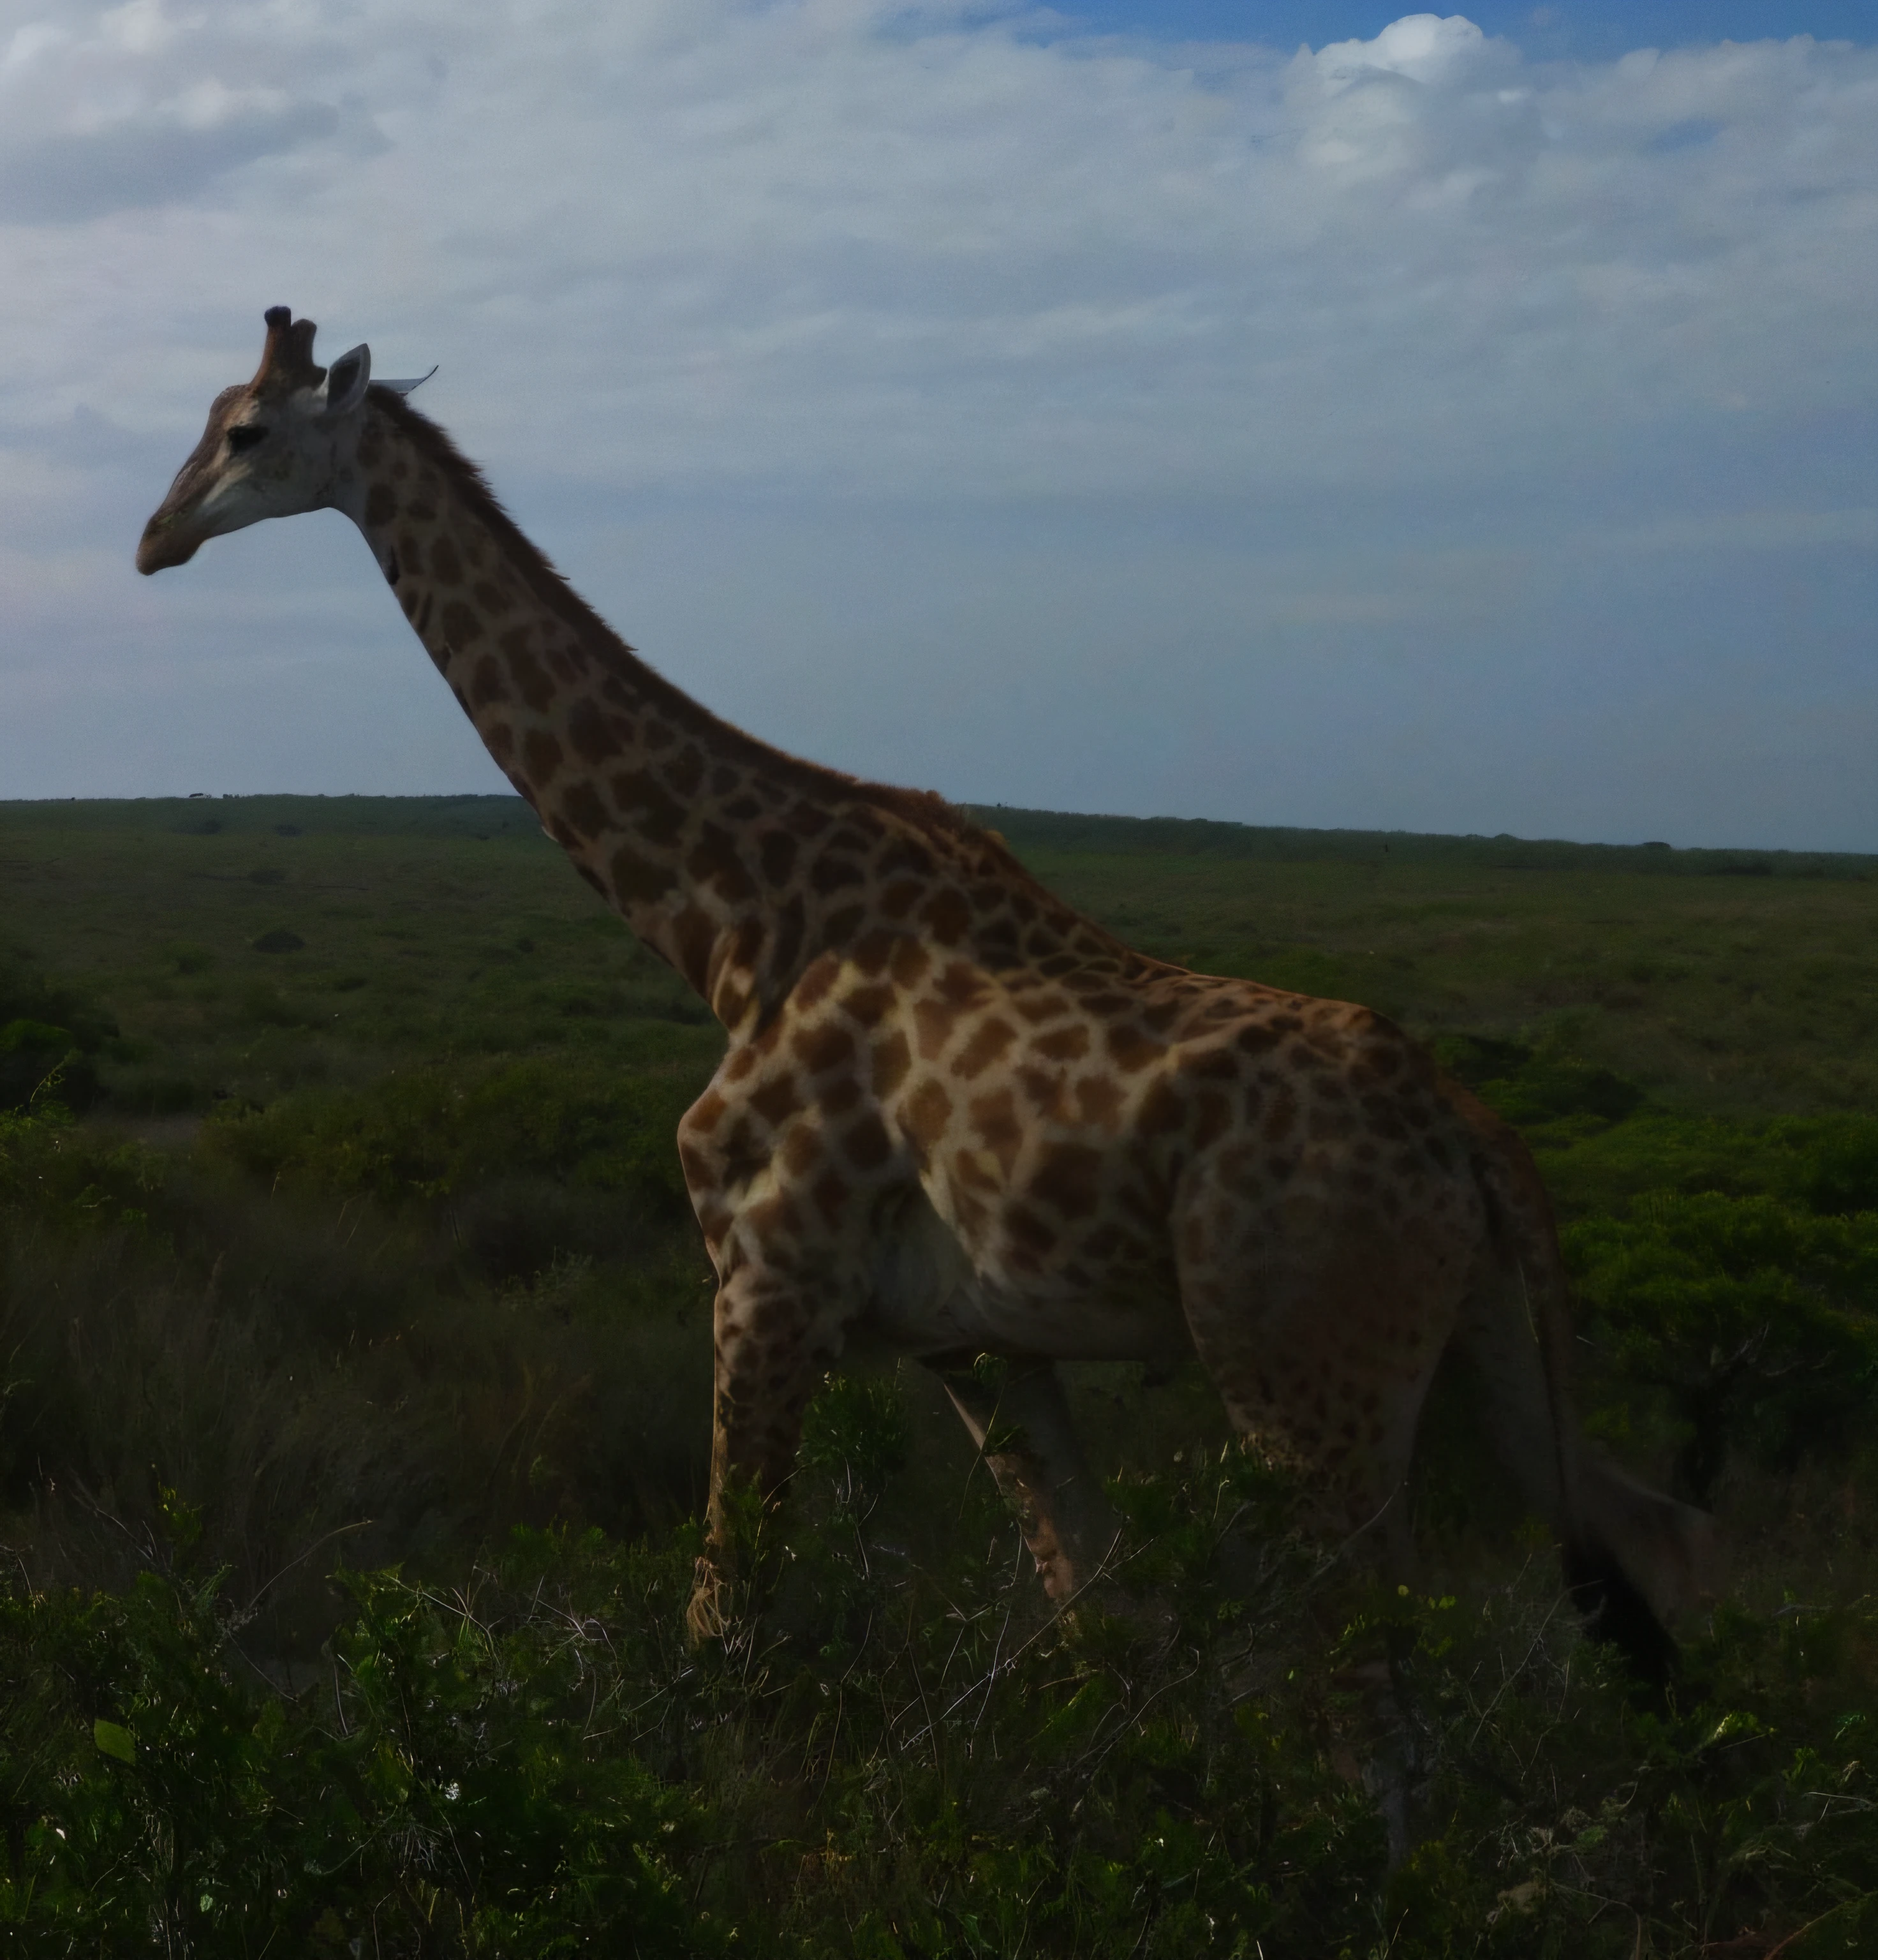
point(1283, 413)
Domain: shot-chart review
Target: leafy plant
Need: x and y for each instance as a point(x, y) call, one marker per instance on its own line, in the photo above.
point(459, 1790)
point(1758, 1320)
point(433, 1132)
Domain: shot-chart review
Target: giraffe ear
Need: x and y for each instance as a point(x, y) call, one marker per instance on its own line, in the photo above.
point(347, 380)
point(404, 387)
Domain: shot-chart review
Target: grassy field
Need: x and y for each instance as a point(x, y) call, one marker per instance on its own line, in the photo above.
point(355, 1410)
point(1723, 980)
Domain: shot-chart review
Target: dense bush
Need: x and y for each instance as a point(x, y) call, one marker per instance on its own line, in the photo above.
point(1530, 1085)
point(319, 1375)
point(1759, 1321)
point(458, 1786)
point(436, 1131)
point(891, 1762)
point(49, 1039)
point(897, 1755)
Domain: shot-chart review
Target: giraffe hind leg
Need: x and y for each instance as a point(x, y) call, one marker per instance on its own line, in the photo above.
point(1322, 1344)
point(1022, 1425)
point(1323, 1354)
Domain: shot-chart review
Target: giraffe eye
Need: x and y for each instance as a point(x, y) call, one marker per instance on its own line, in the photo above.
point(244, 436)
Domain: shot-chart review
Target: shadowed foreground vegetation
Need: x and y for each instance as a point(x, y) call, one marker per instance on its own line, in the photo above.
point(354, 1419)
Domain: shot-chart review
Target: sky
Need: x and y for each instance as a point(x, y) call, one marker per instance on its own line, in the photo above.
point(1288, 413)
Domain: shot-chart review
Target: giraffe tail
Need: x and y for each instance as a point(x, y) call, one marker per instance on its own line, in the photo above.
point(1635, 1559)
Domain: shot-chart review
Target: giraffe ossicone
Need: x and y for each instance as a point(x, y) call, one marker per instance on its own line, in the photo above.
point(955, 1118)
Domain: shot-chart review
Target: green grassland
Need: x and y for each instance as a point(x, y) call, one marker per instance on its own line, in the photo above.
point(354, 1410)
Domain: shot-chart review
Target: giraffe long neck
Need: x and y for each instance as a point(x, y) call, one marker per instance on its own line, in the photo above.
point(728, 857)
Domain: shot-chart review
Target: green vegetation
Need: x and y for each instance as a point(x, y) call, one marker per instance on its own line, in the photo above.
point(355, 1410)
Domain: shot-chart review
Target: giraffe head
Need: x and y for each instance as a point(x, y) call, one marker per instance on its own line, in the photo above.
point(274, 447)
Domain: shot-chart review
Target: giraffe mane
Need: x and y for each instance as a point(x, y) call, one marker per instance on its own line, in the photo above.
point(926, 810)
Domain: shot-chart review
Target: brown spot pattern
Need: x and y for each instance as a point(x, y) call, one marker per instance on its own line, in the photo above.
point(989, 1040)
point(928, 1110)
point(640, 880)
point(820, 1049)
point(777, 857)
point(460, 624)
point(540, 754)
point(589, 734)
point(868, 1145)
point(932, 1026)
point(776, 1100)
point(536, 688)
point(1069, 1180)
point(947, 915)
point(488, 683)
point(892, 1059)
point(584, 810)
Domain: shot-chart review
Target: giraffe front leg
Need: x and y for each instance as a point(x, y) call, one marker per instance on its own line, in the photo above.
point(770, 1351)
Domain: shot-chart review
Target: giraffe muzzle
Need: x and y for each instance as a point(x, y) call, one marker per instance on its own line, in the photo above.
point(164, 543)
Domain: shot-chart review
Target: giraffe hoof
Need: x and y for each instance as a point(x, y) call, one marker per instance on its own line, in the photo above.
point(707, 1618)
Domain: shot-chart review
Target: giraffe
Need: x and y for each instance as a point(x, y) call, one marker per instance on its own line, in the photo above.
point(955, 1118)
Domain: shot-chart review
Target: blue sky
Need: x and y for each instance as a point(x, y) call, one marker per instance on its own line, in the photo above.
point(1466, 424)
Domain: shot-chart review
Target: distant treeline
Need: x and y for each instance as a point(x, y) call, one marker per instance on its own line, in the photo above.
point(495, 817)
point(284, 816)
point(1199, 837)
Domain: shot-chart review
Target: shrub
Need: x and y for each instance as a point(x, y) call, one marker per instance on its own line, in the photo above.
point(48, 1037)
point(1528, 1085)
point(433, 1132)
point(459, 1789)
point(1758, 1322)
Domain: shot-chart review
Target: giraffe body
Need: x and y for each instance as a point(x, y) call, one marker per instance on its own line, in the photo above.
point(954, 1117)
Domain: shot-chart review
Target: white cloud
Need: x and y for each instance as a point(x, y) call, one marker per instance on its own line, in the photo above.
point(778, 239)
point(1425, 47)
point(845, 255)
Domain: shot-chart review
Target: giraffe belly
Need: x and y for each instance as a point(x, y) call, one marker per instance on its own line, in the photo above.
point(928, 1296)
